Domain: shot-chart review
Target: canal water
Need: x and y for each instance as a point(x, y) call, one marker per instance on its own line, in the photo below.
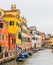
point(43, 57)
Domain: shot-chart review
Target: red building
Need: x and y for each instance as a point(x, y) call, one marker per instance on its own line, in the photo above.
point(12, 42)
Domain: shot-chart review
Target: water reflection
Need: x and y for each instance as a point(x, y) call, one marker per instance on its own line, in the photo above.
point(44, 57)
point(15, 63)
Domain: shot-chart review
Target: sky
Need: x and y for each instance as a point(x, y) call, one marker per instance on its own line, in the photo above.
point(38, 13)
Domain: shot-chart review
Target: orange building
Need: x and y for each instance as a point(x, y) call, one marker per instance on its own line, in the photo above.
point(3, 36)
point(28, 44)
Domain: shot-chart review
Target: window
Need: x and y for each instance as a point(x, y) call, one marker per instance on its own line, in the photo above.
point(50, 42)
point(6, 37)
point(24, 31)
point(11, 22)
point(1, 25)
point(0, 13)
point(33, 38)
point(24, 24)
point(38, 33)
point(31, 32)
point(24, 39)
point(0, 49)
point(1, 37)
point(19, 36)
point(29, 40)
point(36, 38)
point(13, 40)
point(17, 24)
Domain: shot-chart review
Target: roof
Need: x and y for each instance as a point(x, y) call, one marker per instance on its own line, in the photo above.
point(12, 10)
point(51, 36)
point(8, 15)
point(3, 20)
point(32, 27)
point(24, 19)
point(46, 38)
point(38, 32)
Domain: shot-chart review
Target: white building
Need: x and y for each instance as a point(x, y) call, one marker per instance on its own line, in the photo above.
point(35, 37)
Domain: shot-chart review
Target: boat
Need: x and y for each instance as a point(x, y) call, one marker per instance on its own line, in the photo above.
point(25, 54)
point(30, 54)
point(20, 58)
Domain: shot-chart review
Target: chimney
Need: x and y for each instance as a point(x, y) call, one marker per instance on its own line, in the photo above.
point(13, 7)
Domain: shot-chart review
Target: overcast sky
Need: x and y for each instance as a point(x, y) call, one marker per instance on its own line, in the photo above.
point(37, 12)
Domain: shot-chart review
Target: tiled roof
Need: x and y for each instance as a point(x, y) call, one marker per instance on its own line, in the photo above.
point(12, 10)
point(9, 15)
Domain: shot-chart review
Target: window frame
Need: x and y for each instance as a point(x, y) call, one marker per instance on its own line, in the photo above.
point(11, 23)
point(1, 37)
point(1, 25)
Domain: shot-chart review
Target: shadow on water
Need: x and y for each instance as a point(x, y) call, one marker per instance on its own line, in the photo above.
point(20, 63)
point(13, 62)
point(43, 57)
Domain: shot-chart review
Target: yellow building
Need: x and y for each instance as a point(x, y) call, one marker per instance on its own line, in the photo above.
point(14, 23)
point(51, 40)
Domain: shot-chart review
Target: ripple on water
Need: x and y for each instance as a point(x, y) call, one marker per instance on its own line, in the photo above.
point(44, 57)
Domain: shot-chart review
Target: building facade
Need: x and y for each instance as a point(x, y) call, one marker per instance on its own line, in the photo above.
point(14, 26)
point(43, 36)
point(28, 44)
point(24, 33)
point(51, 41)
point(35, 37)
point(3, 37)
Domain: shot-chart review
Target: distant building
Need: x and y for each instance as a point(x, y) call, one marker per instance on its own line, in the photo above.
point(28, 44)
point(43, 36)
point(47, 40)
point(35, 37)
point(51, 40)
point(32, 31)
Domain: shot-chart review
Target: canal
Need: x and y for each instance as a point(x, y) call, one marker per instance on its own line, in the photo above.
point(43, 57)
